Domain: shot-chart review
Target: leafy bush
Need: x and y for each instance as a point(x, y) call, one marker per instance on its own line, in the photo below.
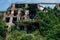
point(1, 38)
point(2, 27)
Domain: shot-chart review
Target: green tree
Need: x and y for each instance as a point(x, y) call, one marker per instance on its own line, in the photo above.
point(47, 23)
point(1, 38)
point(22, 35)
point(16, 35)
point(2, 27)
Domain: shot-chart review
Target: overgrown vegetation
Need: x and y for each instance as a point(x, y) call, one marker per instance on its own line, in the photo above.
point(48, 28)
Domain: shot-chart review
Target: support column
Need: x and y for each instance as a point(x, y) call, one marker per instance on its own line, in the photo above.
point(26, 14)
point(4, 16)
point(18, 15)
point(11, 19)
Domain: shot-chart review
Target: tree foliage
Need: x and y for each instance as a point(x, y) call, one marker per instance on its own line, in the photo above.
point(49, 23)
point(2, 27)
point(22, 35)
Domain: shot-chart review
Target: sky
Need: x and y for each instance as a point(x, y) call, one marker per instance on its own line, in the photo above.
point(4, 4)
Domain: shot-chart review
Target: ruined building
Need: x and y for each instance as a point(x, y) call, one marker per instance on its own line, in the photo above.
point(17, 12)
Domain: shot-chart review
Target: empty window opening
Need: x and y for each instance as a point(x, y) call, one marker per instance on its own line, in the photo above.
point(15, 12)
point(32, 10)
point(8, 12)
point(14, 19)
point(7, 19)
point(32, 13)
point(22, 13)
point(21, 27)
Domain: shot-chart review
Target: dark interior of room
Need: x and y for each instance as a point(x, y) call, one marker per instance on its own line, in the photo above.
point(32, 10)
point(14, 19)
point(19, 5)
point(22, 13)
point(7, 19)
point(15, 12)
point(29, 28)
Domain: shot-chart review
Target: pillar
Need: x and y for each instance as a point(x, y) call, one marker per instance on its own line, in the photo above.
point(26, 14)
point(4, 16)
point(19, 15)
point(11, 19)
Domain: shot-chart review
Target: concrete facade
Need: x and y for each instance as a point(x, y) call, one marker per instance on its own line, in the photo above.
point(17, 12)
